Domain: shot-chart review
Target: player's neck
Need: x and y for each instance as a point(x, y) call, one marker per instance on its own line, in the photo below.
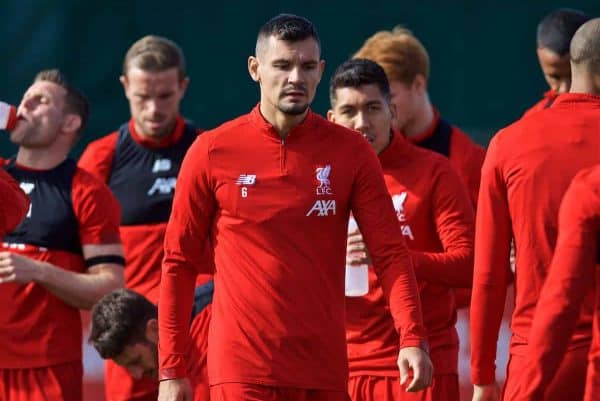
point(40, 158)
point(282, 122)
point(588, 84)
point(421, 121)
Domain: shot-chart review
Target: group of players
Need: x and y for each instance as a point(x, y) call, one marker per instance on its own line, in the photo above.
point(235, 280)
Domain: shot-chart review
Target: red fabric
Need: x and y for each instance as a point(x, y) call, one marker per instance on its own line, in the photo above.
point(119, 385)
point(278, 311)
point(38, 329)
point(574, 268)
point(568, 379)
point(252, 392)
point(549, 97)
point(62, 382)
point(527, 169)
point(377, 388)
point(465, 155)
point(438, 223)
point(13, 203)
point(196, 355)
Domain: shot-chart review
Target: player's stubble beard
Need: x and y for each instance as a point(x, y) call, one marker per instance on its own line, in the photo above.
point(293, 109)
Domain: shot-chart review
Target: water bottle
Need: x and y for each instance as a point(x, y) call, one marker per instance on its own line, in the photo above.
point(8, 116)
point(357, 276)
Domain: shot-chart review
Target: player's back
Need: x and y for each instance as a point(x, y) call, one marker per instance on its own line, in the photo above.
point(536, 158)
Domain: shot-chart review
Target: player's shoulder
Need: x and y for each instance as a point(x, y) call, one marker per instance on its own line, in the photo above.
point(463, 141)
point(104, 144)
point(587, 180)
point(83, 179)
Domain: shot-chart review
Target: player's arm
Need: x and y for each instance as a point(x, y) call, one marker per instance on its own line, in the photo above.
point(13, 203)
point(80, 290)
point(373, 210)
point(493, 235)
point(454, 219)
point(569, 279)
point(98, 156)
point(187, 253)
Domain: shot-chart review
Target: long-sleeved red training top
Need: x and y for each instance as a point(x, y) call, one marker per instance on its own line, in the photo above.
point(434, 210)
point(575, 267)
point(276, 213)
point(546, 101)
point(13, 203)
point(527, 169)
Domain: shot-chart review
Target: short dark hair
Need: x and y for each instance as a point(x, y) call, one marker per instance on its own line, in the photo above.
point(289, 28)
point(358, 72)
point(556, 30)
point(119, 320)
point(155, 54)
point(75, 100)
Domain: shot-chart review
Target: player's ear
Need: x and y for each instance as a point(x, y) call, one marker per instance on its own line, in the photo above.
point(330, 115)
point(152, 331)
point(253, 68)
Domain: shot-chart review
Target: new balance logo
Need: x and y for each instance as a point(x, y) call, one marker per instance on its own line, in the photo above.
point(246, 179)
point(322, 208)
point(161, 165)
point(163, 186)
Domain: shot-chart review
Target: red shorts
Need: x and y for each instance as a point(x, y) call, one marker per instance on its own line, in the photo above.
point(256, 392)
point(568, 382)
point(62, 382)
point(381, 388)
point(120, 386)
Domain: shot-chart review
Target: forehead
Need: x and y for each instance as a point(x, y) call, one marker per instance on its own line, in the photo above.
point(304, 50)
point(141, 78)
point(46, 88)
point(552, 61)
point(359, 95)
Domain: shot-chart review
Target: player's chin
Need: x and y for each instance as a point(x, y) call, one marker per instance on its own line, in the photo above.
point(293, 107)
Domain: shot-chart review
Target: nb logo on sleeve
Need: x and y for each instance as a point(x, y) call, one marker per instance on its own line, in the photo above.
point(322, 208)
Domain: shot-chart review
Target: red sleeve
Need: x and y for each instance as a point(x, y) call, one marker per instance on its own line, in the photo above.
point(98, 156)
point(97, 210)
point(374, 212)
point(569, 279)
point(467, 157)
point(454, 221)
point(493, 235)
point(188, 228)
point(13, 203)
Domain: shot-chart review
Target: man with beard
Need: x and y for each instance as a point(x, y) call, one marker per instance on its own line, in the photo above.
point(63, 257)
point(271, 192)
point(140, 163)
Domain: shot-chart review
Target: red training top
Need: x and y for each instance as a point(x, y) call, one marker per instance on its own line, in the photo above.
point(574, 269)
point(142, 236)
point(13, 203)
point(546, 101)
point(276, 212)
point(528, 167)
point(36, 328)
point(437, 221)
point(465, 155)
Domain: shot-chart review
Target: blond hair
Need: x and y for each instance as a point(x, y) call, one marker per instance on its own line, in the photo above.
point(155, 54)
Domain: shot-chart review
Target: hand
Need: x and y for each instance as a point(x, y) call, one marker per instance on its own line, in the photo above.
point(356, 250)
point(20, 269)
point(486, 392)
point(175, 390)
point(416, 359)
